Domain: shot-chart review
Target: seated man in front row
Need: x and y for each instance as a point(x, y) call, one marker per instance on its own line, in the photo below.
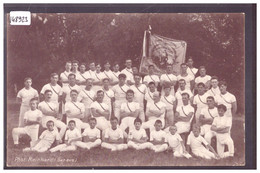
point(158, 138)
point(114, 137)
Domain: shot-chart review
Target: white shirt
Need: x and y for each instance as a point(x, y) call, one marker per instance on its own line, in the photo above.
point(115, 76)
point(56, 91)
point(184, 111)
point(108, 95)
point(168, 77)
point(26, 95)
point(137, 134)
point(48, 108)
point(99, 106)
point(179, 97)
point(32, 115)
point(221, 122)
point(148, 96)
point(75, 108)
point(187, 79)
point(86, 97)
point(130, 106)
point(98, 76)
point(114, 134)
point(192, 71)
point(169, 101)
point(213, 92)
point(50, 137)
point(200, 100)
point(67, 89)
point(92, 133)
point(151, 78)
point(209, 113)
point(196, 142)
point(226, 99)
point(174, 140)
point(82, 77)
point(158, 135)
point(156, 107)
point(129, 74)
point(120, 93)
point(108, 74)
point(139, 93)
point(204, 79)
point(90, 74)
point(72, 134)
point(64, 77)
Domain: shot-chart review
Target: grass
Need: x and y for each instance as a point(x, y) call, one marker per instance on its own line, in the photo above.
point(102, 157)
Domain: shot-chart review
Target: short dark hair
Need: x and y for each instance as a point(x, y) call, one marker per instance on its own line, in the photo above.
point(151, 83)
point(74, 91)
point(182, 80)
point(50, 121)
point(137, 74)
point(130, 91)
point(114, 118)
point(92, 119)
point(222, 83)
point(83, 64)
point(183, 94)
point(54, 74)
point(202, 67)
point(27, 78)
point(158, 122)
point(214, 77)
point(211, 97)
point(122, 75)
point(47, 91)
point(201, 84)
point(182, 64)
point(34, 99)
point(72, 121)
point(71, 74)
point(137, 120)
point(100, 91)
point(221, 106)
point(106, 79)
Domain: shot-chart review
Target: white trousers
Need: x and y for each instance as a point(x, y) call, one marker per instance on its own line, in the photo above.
point(32, 131)
point(64, 147)
point(88, 145)
point(114, 147)
point(221, 147)
point(139, 146)
point(127, 122)
point(79, 124)
point(204, 153)
point(182, 127)
point(57, 123)
point(102, 123)
point(150, 123)
point(178, 152)
point(23, 109)
point(169, 117)
point(159, 148)
point(41, 146)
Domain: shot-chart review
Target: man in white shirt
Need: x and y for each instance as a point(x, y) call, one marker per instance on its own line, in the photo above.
point(115, 74)
point(109, 95)
point(188, 78)
point(155, 111)
point(50, 111)
point(114, 137)
point(191, 70)
point(74, 68)
point(100, 111)
point(97, 78)
point(227, 99)
point(75, 111)
point(207, 116)
point(68, 88)
point(129, 111)
point(32, 119)
point(120, 95)
point(24, 96)
point(64, 76)
point(203, 78)
point(182, 89)
point(158, 137)
point(168, 79)
point(87, 97)
point(92, 70)
point(200, 100)
point(128, 72)
point(151, 77)
point(139, 90)
point(107, 72)
point(82, 75)
point(214, 90)
point(221, 125)
point(149, 94)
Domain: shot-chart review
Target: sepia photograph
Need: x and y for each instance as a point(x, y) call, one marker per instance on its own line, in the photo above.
point(126, 89)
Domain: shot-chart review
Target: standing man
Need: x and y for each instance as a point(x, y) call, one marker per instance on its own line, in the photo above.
point(188, 78)
point(115, 74)
point(107, 72)
point(92, 70)
point(191, 70)
point(64, 75)
point(214, 90)
point(24, 96)
point(149, 94)
point(109, 95)
point(74, 68)
point(128, 72)
point(120, 94)
point(203, 78)
point(182, 89)
point(97, 78)
point(67, 89)
point(168, 79)
point(82, 75)
point(151, 77)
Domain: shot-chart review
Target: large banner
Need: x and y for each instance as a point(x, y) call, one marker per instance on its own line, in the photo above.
point(160, 51)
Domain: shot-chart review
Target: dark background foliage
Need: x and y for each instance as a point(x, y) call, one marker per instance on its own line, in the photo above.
point(214, 40)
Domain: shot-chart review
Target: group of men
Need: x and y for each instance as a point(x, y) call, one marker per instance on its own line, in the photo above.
point(120, 110)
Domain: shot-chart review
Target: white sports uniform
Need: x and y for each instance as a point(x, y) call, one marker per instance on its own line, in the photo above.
point(179, 97)
point(70, 134)
point(204, 79)
point(205, 128)
point(91, 134)
point(129, 74)
point(184, 126)
point(128, 121)
point(82, 77)
point(120, 97)
point(197, 148)
point(98, 77)
point(31, 130)
point(49, 111)
point(64, 77)
point(108, 95)
point(108, 74)
point(192, 71)
point(90, 74)
point(76, 108)
point(151, 78)
point(114, 135)
point(102, 122)
point(138, 135)
point(201, 102)
point(46, 140)
point(168, 78)
point(227, 100)
point(174, 142)
point(169, 114)
point(159, 136)
point(115, 76)
point(213, 92)
point(187, 79)
point(149, 96)
point(67, 89)
point(151, 120)
point(26, 95)
point(139, 93)
point(56, 91)
point(224, 138)
point(87, 98)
